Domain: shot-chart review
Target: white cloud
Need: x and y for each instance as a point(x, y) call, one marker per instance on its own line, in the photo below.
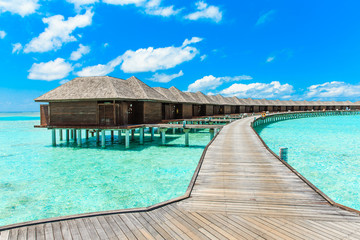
point(100, 69)
point(21, 7)
point(16, 48)
point(162, 11)
point(106, 45)
point(205, 11)
point(144, 60)
point(259, 90)
point(79, 3)
point(210, 82)
point(192, 40)
point(58, 32)
point(125, 2)
point(49, 71)
point(203, 57)
point(270, 59)
point(164, 78)
point(81, 51)
point(63, 81)
point(332, 90)
point(2, 34)
point(265, 17)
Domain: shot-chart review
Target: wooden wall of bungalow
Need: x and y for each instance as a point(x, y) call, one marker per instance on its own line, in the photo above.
point(101, 113)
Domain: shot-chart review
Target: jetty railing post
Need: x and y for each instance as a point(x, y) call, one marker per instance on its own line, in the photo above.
point(127, 138)
point(79, 138)
point(61, 134)
point(119, 136)
point(211, 130)
point(53, 133)
point(103, 138)
point(141, 135)
point(186, 131)
point(283, 154)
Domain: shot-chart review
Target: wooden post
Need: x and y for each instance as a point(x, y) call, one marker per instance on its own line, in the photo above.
point(211, 130)
point(97, 136)
point(87, 134)
point(67, 132)
point(127, 138)
point(283, 153)
point(141, 135)
point(119, 136)
point(132, 134)
point(112, 136)
point(163, 135)
point(152, 130)
point(103, 138)
point(79, 138)
point(53, 137)
point(60, 134)
point(173, 130)
point(72, 134)
point(186, 131)
point(75, 137)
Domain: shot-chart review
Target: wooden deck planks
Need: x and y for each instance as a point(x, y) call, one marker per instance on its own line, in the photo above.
point(241, 192)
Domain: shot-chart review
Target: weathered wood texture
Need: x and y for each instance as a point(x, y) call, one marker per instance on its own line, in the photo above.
point(242, 192)
point(152, 112)
point(187, 110)
point(44, 115)
point(227, 109)
point(73, 113)
point(209, 110)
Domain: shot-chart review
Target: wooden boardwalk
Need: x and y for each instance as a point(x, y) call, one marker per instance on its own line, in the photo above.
point(242, 192)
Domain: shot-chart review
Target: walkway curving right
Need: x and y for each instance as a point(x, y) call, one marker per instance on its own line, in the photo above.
point(242, 192)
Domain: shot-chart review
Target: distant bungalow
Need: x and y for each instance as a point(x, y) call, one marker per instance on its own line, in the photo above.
point(109, 101)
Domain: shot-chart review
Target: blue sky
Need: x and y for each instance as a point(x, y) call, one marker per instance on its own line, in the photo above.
point(260, 49)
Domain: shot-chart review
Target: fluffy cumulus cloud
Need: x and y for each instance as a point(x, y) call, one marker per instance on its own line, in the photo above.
point(49, 71)
point(79, 3)
point(81, 51)
point(205, 11)
point(165, 78)
point(210, 82)
point(58, 32)
point(333, 90)
point(259, 90)
point(21, 7)
point(16, 48)
point(270, 59)
point(146, 60)
point(100, 69)
point(268, 16)
point(2, 34)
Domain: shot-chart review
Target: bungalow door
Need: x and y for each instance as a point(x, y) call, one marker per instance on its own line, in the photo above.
point(108, 114)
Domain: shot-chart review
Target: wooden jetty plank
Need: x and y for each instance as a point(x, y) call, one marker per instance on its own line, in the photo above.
point(242, 192)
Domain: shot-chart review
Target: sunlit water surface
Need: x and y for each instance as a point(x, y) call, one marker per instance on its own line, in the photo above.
point(40, 181)
point(326, 150)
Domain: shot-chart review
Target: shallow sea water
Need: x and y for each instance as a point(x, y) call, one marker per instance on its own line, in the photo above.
point(39, 181)
point(325, 150)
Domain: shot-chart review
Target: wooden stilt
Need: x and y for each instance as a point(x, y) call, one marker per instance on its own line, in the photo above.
point(67, 132)
point(127, 138)
point(79, 142)
point(97, 136)
point(186, 131)
point(75, 137)
point(103, 138)
point(141, 135)
point(72, 134)
point(132, 134)
point(53, 137)
point(87, 134)
point(61, 134)
point(119, 136)
point(163, 135)
point(152, 130)
point(212, 133)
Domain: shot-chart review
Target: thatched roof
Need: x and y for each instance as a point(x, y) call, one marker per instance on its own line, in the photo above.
point(238, 101)
point(196, 97)
point(143, 91)
point(181, 96)
point(205, 98)
point(88, 88)
point(165, 92)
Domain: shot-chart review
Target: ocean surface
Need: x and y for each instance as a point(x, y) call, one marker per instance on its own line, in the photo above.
point(39, 181)
point(325, 150)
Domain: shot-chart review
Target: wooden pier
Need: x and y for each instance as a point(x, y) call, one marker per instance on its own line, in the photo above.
point(239, 191)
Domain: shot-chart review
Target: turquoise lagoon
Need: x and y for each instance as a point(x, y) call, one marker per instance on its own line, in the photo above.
point(325, 150)
point(39, 181)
